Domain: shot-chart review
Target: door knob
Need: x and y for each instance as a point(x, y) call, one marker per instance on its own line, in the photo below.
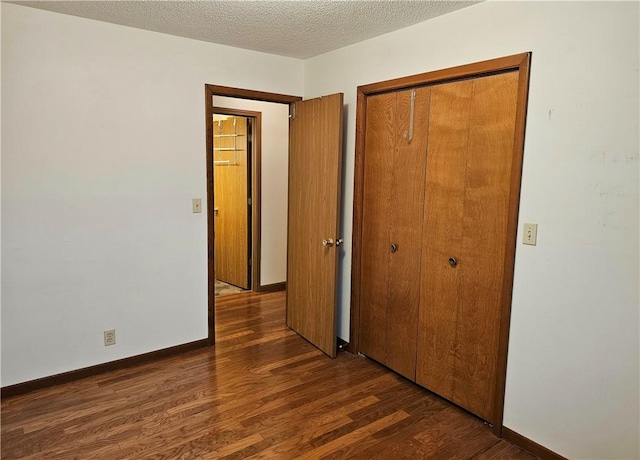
point(394, 248)
point(453, 262)
point(339, 241)
point(327, 242)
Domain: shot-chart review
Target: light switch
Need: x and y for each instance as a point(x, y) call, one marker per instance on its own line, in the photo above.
point(530, 234)
point(196, 204)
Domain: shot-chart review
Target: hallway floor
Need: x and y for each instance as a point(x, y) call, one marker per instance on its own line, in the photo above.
point(223, 288)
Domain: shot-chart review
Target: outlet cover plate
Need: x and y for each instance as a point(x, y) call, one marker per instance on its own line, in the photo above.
point(109, 337)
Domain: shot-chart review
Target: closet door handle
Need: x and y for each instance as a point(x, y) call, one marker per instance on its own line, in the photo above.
point(453, 262)
point(327, 242)
point(394, 248)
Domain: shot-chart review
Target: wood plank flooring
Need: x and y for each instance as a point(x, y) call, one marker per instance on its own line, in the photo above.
point(262, 392)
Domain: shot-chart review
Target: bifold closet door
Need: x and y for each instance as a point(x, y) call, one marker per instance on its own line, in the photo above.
point(394, 182)
point(471, 140)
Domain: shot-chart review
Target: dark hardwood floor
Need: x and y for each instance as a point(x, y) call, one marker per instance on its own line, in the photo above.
point(261, 392)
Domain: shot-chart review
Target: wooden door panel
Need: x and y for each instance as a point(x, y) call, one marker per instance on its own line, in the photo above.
point(230, 199)
point(392, 215)
point(474, 158)
point(487, 191)
point(380, 140)
point(407, 177)
point(315, 160)
point(468, 178)
point(297, 250)
point(442, 233)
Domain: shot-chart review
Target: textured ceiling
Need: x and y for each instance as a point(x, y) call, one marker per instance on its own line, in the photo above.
point(297, 28)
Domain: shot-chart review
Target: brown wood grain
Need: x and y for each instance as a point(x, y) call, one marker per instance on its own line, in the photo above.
point(273, 287)
point(209, 92)
point(441, 289)
point(211, 266)
point(517, 63)
point(255, 125)
point(486, 207)
point(405, 230)
point(241, 93)
point(262, 392)
point(510, 243)
point(71, 376)
point(515, 440)
point(356, 238)
point(501, 64)
point(506, 450)
point(231, 201)
point(315, 161)
point(374, 269)
point(469, 176)
point(392, 215)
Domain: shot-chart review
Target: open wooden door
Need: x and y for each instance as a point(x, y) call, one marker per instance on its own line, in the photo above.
point(315, 160)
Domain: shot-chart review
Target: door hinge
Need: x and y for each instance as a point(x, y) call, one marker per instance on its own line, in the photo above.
point(249, 202)
point(250, 137)
point(250, 262)
point(292, 115)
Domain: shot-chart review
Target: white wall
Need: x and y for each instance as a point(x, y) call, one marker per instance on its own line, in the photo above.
point(103, 147)
point(275, 167)
point(572, 382)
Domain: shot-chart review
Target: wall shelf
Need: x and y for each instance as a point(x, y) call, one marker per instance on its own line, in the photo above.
point(235, 149)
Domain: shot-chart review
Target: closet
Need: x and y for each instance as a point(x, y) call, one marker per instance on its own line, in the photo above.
point(232, 191)
point(438, 173)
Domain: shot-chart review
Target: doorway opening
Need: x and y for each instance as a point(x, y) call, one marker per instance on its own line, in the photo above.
point(264, 201)
point(237, 244)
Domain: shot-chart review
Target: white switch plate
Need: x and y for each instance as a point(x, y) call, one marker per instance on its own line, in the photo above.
point(530, 234)
point(196, 205)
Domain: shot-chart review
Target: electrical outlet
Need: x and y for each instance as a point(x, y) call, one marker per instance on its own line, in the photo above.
point(530, 234)
point(109, 337)
point(196, 205)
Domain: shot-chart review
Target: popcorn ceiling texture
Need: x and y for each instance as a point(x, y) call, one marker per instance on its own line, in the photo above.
point(299, 29)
